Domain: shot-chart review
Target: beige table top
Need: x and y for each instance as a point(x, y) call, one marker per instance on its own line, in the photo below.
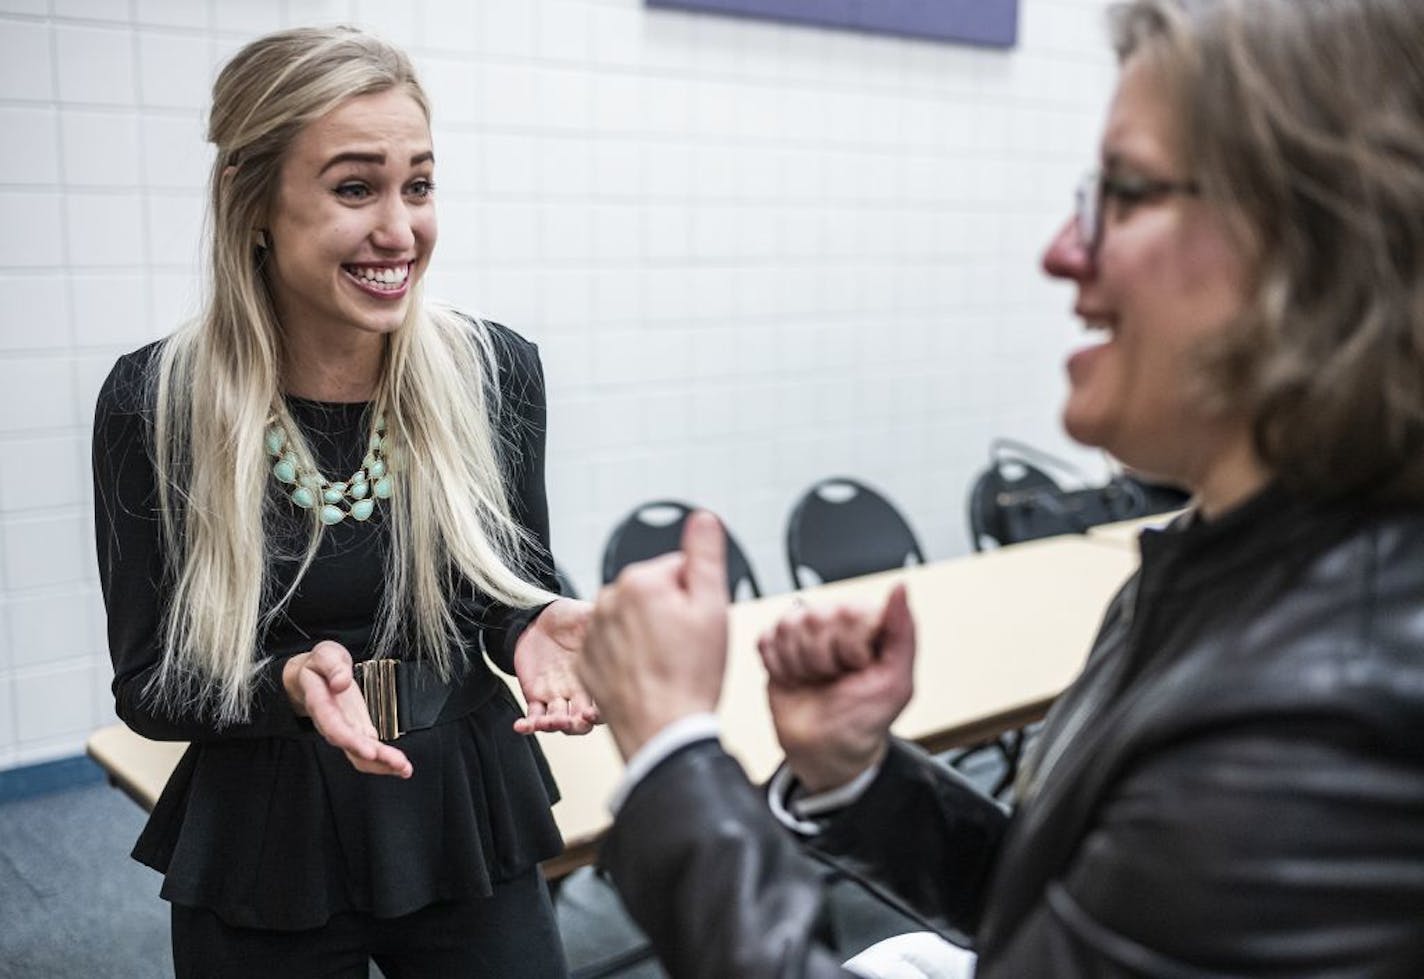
point(135, 764)
point(1000, 635)
point(1124, 533)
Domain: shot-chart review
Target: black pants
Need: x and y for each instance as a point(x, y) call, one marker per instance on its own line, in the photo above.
point(511, 934)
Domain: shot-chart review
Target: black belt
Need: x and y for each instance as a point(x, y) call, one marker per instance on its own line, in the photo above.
point(405, 695)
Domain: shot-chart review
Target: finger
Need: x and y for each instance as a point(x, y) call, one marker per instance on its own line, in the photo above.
point(771, 655)
point(332, 663)
point(390, 761)
point(581, 707)
point(817, 656)
point(896, 635)
point(556, 717)
point(653, 574)
point(850, 652)
point(704, 544)
point(395, 761)
point(854, 636)
point(529, 723)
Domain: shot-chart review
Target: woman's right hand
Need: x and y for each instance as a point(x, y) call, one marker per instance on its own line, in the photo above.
point(836, 680)
point(321, 684)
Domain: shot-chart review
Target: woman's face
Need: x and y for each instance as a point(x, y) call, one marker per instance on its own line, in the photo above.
point(353, 223)
point(1164, 278)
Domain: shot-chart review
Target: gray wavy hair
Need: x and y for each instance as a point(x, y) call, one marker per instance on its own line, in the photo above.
point(1304, 119)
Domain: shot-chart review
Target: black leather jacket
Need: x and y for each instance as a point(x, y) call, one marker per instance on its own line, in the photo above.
point(1233, 787)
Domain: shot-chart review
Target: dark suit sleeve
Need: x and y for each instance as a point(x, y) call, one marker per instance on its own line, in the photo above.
point(723, 890)
point(522, 423)
point(134, 575)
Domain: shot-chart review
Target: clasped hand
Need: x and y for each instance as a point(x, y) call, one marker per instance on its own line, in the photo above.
point(836, 679)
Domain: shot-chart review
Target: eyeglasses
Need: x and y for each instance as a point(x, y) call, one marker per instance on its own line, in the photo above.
point(1097, 188)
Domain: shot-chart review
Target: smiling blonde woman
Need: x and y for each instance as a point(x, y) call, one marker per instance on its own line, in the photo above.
point(314, 505)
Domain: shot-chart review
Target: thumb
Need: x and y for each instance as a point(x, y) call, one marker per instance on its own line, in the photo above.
point(704, 548)
point(896, 638)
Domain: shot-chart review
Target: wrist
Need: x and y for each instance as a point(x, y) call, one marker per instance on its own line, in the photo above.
point(633, 730)
point(822, 771)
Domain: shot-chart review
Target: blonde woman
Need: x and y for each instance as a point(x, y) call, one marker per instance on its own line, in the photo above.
point(314, 505)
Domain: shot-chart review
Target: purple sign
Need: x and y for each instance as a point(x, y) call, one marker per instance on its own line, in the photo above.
point(988, 22)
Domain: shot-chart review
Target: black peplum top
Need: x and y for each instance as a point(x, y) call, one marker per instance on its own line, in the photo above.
point(263, 822)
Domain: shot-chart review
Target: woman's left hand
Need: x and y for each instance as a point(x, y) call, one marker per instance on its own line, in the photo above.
point(544, 661)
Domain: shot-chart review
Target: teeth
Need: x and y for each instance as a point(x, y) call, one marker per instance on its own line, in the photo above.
point(379, 276)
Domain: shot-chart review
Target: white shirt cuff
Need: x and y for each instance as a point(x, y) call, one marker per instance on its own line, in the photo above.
point(676, 736)
point(800, 813)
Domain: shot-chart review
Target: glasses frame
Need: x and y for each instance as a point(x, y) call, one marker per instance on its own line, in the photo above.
point(1098, 187)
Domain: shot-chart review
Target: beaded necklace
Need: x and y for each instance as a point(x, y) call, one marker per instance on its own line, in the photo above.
point(355, 496)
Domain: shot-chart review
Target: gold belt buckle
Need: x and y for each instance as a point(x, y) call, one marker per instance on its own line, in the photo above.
point(377, 678)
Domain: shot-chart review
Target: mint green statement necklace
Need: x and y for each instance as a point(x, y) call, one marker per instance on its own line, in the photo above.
point(355, 496)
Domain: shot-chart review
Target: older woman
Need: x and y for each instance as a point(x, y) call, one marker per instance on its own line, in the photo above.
point(314, 505)
point(1235, 785)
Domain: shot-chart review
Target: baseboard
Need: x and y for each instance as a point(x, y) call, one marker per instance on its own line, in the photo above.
point(50, 776)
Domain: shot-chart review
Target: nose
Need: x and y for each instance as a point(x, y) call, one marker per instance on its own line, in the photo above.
point(1067, 255)
point(395, 227)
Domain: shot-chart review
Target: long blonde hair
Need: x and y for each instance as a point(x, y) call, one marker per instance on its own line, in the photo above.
point(217, 386)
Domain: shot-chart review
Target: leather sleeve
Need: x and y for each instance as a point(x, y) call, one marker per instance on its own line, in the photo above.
point(1271, 849)
point(723, 890)
point(718, 886)
point(924, 832)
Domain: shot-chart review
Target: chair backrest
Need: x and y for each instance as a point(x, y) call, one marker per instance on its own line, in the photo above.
point(1015, 499)
point(656, 528)
point(841, 528)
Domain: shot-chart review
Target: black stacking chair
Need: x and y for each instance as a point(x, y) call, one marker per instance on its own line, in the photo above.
point(656, 528)
point(1016, 499)
point(841, 528)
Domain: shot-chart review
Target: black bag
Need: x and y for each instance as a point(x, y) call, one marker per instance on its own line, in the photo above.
point(1043, 511)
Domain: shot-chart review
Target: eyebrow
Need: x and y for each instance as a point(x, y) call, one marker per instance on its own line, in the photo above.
point(377, 158)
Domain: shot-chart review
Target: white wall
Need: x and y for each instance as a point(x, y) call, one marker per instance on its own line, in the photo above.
point(753, 255)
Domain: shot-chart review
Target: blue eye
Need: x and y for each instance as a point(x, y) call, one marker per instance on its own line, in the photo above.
point(352, 190)
point(421, 187)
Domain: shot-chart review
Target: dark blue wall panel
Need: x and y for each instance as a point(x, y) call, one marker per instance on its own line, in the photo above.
point(988, 22)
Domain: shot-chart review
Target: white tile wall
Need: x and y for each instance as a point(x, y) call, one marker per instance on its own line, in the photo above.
point(101, 149)
point(26, 67)
point(33, 158)
point(34, 231)
point(96, 64)
point(54, 703)
point(104, 229)
point(752, 254)
point(44, 551)
point(48, 628)
point(34, 312)
point(40, 473)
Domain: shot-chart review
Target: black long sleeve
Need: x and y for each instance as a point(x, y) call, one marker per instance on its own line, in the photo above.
point(338, 596)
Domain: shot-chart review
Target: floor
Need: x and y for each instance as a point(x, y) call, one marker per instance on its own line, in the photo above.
point(74, 904)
